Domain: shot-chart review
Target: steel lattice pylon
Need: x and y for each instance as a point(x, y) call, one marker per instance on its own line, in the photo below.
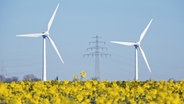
point(97, 52)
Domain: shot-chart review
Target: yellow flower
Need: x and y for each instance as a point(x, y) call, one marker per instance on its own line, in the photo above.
point(83, 74)
point(79, 97)
point(75, 76)
point(88, 85)
point(92, 91)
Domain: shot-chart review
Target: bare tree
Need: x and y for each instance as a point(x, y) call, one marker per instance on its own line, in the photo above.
point(2, 78)
point(9, 79)
point(14, 78)
point(31, 77)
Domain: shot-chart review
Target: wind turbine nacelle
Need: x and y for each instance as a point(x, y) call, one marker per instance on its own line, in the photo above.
point(45, 33)
point(137, 44)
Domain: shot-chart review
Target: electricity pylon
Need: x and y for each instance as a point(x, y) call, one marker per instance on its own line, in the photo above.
point(96, 50)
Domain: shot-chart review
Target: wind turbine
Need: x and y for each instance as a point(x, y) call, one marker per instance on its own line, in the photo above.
point(45, 35)
point(137, 45)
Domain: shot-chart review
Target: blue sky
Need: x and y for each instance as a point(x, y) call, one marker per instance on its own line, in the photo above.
point(77, 21)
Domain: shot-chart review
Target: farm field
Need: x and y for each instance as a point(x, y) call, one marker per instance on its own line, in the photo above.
point(92, 92)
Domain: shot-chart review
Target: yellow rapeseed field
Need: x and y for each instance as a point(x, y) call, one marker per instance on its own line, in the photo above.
point(92, 92)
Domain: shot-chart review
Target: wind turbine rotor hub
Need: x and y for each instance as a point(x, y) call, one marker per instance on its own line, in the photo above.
point(137, 44)
point(46, 33)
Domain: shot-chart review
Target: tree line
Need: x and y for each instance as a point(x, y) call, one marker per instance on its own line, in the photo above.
point(28, 77)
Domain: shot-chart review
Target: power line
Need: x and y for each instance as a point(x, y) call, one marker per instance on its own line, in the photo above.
point(96, 50)
point(2, 68)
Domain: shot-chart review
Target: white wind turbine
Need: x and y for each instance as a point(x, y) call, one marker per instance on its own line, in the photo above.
point(45, 35)
point(137, 45)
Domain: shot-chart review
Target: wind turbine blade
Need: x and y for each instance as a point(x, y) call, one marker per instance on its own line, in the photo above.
point(143, 54)
point(35, 35)
point(124, 43)
point(52, 18)
point(53, 44)
point(145, 30)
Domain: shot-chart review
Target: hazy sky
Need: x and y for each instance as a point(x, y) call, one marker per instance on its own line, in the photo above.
point(77, 21)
